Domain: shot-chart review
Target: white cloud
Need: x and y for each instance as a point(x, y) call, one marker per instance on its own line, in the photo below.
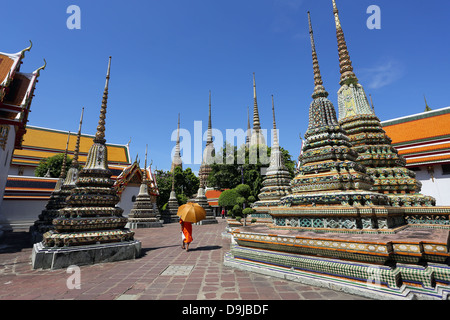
point(383, 74)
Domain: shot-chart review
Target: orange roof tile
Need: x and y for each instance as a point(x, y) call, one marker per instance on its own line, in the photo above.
point(419, 129)
point(41, 143)
point(5, 66)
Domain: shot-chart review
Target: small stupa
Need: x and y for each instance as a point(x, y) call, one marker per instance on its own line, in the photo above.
point(208, 153)
point(56, 202)
point(72, 174)
point(177, 161)
point(170, 215)
point(142, 214)
point(205, 169)
point(91, 228)
point(276, 183)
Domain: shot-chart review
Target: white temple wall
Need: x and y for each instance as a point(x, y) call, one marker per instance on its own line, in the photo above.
point(439, 188)
point(126, 197)
point(6, 153)
point(20, 214)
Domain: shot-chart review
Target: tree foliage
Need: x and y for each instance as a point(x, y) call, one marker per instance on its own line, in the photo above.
point(229, 175)
point(186, 185)
point(54, 164)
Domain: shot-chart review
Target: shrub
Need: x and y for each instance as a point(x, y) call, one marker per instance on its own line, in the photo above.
point(228, 198)
point(247, 211)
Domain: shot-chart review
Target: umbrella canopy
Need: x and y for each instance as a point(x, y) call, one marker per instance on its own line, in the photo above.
point(191, 212)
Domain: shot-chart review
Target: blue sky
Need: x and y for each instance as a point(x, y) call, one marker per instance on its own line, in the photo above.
point(167, 55)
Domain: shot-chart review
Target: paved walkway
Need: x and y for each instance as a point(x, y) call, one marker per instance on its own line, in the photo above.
point(163, 272)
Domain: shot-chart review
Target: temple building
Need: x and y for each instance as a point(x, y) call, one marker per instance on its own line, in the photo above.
point(423, 140)
point(16, 94)
point(91, 228)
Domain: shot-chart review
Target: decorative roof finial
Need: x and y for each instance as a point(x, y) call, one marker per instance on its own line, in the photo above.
point(427, 108)
point(346, 68)
point(100, 135)
point(371, 102)
point(256, 122)
point(319, 89)
point(26, 49)
point(38, 71)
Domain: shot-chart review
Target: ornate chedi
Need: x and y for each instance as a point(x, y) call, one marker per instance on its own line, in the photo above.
point(368, 138)
point(177, 161)
point(332, 188)
point(276, 183)
point(170, 215)
point(205, 169)
point(90, 228)
point(142, 214)
point(56, 202)
point(208, 153)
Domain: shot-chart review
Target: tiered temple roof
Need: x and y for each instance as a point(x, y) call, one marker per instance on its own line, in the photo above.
point(16, 94)
point(422, 138)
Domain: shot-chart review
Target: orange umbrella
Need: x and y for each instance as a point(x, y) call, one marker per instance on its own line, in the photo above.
point(191, 212)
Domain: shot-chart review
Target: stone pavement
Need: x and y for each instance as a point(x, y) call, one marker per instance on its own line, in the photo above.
point(163, 272)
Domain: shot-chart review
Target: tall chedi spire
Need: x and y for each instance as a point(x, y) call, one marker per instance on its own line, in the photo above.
point(352, 99)
point(208, 153)
point(91, 222)
point(329, 179)
point(176, 161)
point(276, 183)
point(170, 215)
point(249, 129)
point(257, 138)
point(205, 169)
point(142, 214)
point(72, 174)
point(368, 138)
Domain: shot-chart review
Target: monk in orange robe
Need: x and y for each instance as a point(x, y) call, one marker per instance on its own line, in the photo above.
point(186, 230)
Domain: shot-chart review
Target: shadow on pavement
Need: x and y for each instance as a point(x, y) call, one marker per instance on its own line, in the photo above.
point(205, 248)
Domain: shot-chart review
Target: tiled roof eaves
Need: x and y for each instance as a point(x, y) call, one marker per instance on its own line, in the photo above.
point(418, 116)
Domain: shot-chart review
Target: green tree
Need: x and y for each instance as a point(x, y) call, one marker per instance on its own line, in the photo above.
point(186, 185)
point(229, 175)
point(54, 164)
